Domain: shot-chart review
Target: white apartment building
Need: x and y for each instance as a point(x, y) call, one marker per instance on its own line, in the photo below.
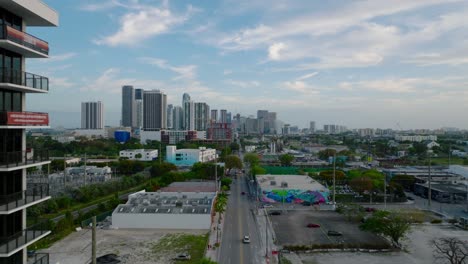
point(415, 138)
point(187, 157)
point(139, 154)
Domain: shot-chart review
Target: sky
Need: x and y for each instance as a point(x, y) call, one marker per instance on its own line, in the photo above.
point(379, 63)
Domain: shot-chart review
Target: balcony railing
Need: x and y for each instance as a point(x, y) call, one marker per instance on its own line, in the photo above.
point(39, 258)
point(9, 244)
point(9, 75)
point(24, 119)
point(20, 158)
point(24, 39)
point(33, 193)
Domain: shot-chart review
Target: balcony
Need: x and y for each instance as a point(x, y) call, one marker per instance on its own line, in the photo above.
point(11, 244)
point(11, 119)
point(23, 81)
point(35, 194)
point(23, 43)
point(39, 258)
point(16, 160)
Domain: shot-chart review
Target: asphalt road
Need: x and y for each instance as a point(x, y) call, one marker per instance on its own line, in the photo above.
point(238, 222)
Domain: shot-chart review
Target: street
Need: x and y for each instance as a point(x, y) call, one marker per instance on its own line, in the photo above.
point(239, 221)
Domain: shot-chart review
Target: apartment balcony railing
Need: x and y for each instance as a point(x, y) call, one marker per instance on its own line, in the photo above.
point(10, 118)
point(21, 158)
point(30, 80)
point(24, 39)
point(34, 193)
point(9, 244)
point(39, 258)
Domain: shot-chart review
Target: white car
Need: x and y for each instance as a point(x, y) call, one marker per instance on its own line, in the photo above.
point(246, 240)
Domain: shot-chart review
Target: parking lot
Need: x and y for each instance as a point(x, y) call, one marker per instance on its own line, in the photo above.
point(291, 229)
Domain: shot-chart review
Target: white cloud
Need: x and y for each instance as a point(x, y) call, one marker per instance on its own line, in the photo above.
point(227, 72)
point(60, 82)
point(103, 5)
point(307, 76)
point(185, 71)
point(275, 49)
point(60, 57)
point(302, 87)
point(144, 23)
point(243, 84)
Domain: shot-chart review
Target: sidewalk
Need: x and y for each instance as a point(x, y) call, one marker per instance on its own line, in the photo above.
point(264, 226)
point(212, 252)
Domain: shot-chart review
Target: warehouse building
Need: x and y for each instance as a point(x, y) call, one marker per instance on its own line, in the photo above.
point(165, 210)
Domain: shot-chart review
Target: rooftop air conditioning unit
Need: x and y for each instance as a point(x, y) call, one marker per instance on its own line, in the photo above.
point(273, 183)
point(284, 184)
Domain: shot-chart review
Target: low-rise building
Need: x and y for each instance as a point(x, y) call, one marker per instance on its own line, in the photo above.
point(187, 157)
point(165, 210)
point(415, 138)
point(250, 148)
point(139, 154)
point(291, 189)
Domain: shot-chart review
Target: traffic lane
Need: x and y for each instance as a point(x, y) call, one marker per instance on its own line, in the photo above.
point(230, 242)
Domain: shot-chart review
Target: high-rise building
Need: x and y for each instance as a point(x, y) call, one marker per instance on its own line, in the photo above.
point(15, 156)
point(214, 115)
point(170, 108)
point(138, 107)
point(189, 115)
point(92, 115)
point(139, 113)
point(154, 110)
point(229, 118)
point(178, 118)
point(312, 127)
point(128, 106)
point(202, 116)
point(223, 116)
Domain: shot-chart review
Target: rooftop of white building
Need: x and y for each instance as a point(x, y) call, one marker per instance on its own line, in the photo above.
point(297, 182)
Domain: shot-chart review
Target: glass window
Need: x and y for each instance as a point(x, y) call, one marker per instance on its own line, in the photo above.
point(1, 101)
point(17, 102)
point(7, 101)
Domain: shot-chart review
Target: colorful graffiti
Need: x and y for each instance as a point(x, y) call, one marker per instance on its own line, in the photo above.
point(294, 196)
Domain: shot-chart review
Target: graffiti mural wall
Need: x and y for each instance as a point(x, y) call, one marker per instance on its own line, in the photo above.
point(294, 196)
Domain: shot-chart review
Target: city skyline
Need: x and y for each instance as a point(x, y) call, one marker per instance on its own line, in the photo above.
point(409, 69)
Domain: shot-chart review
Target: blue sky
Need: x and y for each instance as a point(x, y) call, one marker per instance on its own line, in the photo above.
point(355, 63)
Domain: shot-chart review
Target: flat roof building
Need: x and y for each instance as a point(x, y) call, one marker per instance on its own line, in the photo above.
point(291, 189)
point(165, 210)
point(188, 157)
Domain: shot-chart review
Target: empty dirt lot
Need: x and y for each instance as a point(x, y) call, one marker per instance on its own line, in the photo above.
point(290, 229)
point(133, 246)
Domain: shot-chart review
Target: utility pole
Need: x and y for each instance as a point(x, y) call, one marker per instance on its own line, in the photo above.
point(160, 154)
point(334, 181)
point(216, 175)
point(266, 235)
point(93, 246)
point(385, 191)
point(429, 195)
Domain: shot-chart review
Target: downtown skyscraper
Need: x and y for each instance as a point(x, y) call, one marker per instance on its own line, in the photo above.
point(92, 115)
point(128, 106)
point(154, 110)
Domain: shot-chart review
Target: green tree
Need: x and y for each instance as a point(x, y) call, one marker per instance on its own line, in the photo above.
point(327, 176)
point(257, 170)
point(286, 159)
point(450, 249)
point(159, 169)
point(251, 159)
point(326, 153)
point(233, 161)
point(361, 184)
point(390, 224)
point(226, 182)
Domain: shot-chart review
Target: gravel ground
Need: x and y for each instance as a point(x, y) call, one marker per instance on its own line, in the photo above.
point(133, 246)
point(417, 249)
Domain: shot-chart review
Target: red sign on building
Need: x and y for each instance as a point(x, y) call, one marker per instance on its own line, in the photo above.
point(27, 119)
point(23, 37)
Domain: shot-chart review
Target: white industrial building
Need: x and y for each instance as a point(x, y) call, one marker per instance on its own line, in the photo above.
point(188, 157)
point(165, 210)
point(139, 154)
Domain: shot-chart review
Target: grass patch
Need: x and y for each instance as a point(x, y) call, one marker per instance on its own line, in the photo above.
point(173, 244)
point(284, 260)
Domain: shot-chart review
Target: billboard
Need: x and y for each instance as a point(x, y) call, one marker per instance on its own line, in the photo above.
point(27, 119)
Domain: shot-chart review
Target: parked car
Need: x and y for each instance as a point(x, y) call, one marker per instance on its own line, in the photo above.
point(108, 259)
point(334, 233)
point(311, 225)
point(275, 213)
point(183, 256)
point(246, 240)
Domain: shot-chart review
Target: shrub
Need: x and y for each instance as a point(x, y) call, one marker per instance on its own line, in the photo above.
point(436, 221)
